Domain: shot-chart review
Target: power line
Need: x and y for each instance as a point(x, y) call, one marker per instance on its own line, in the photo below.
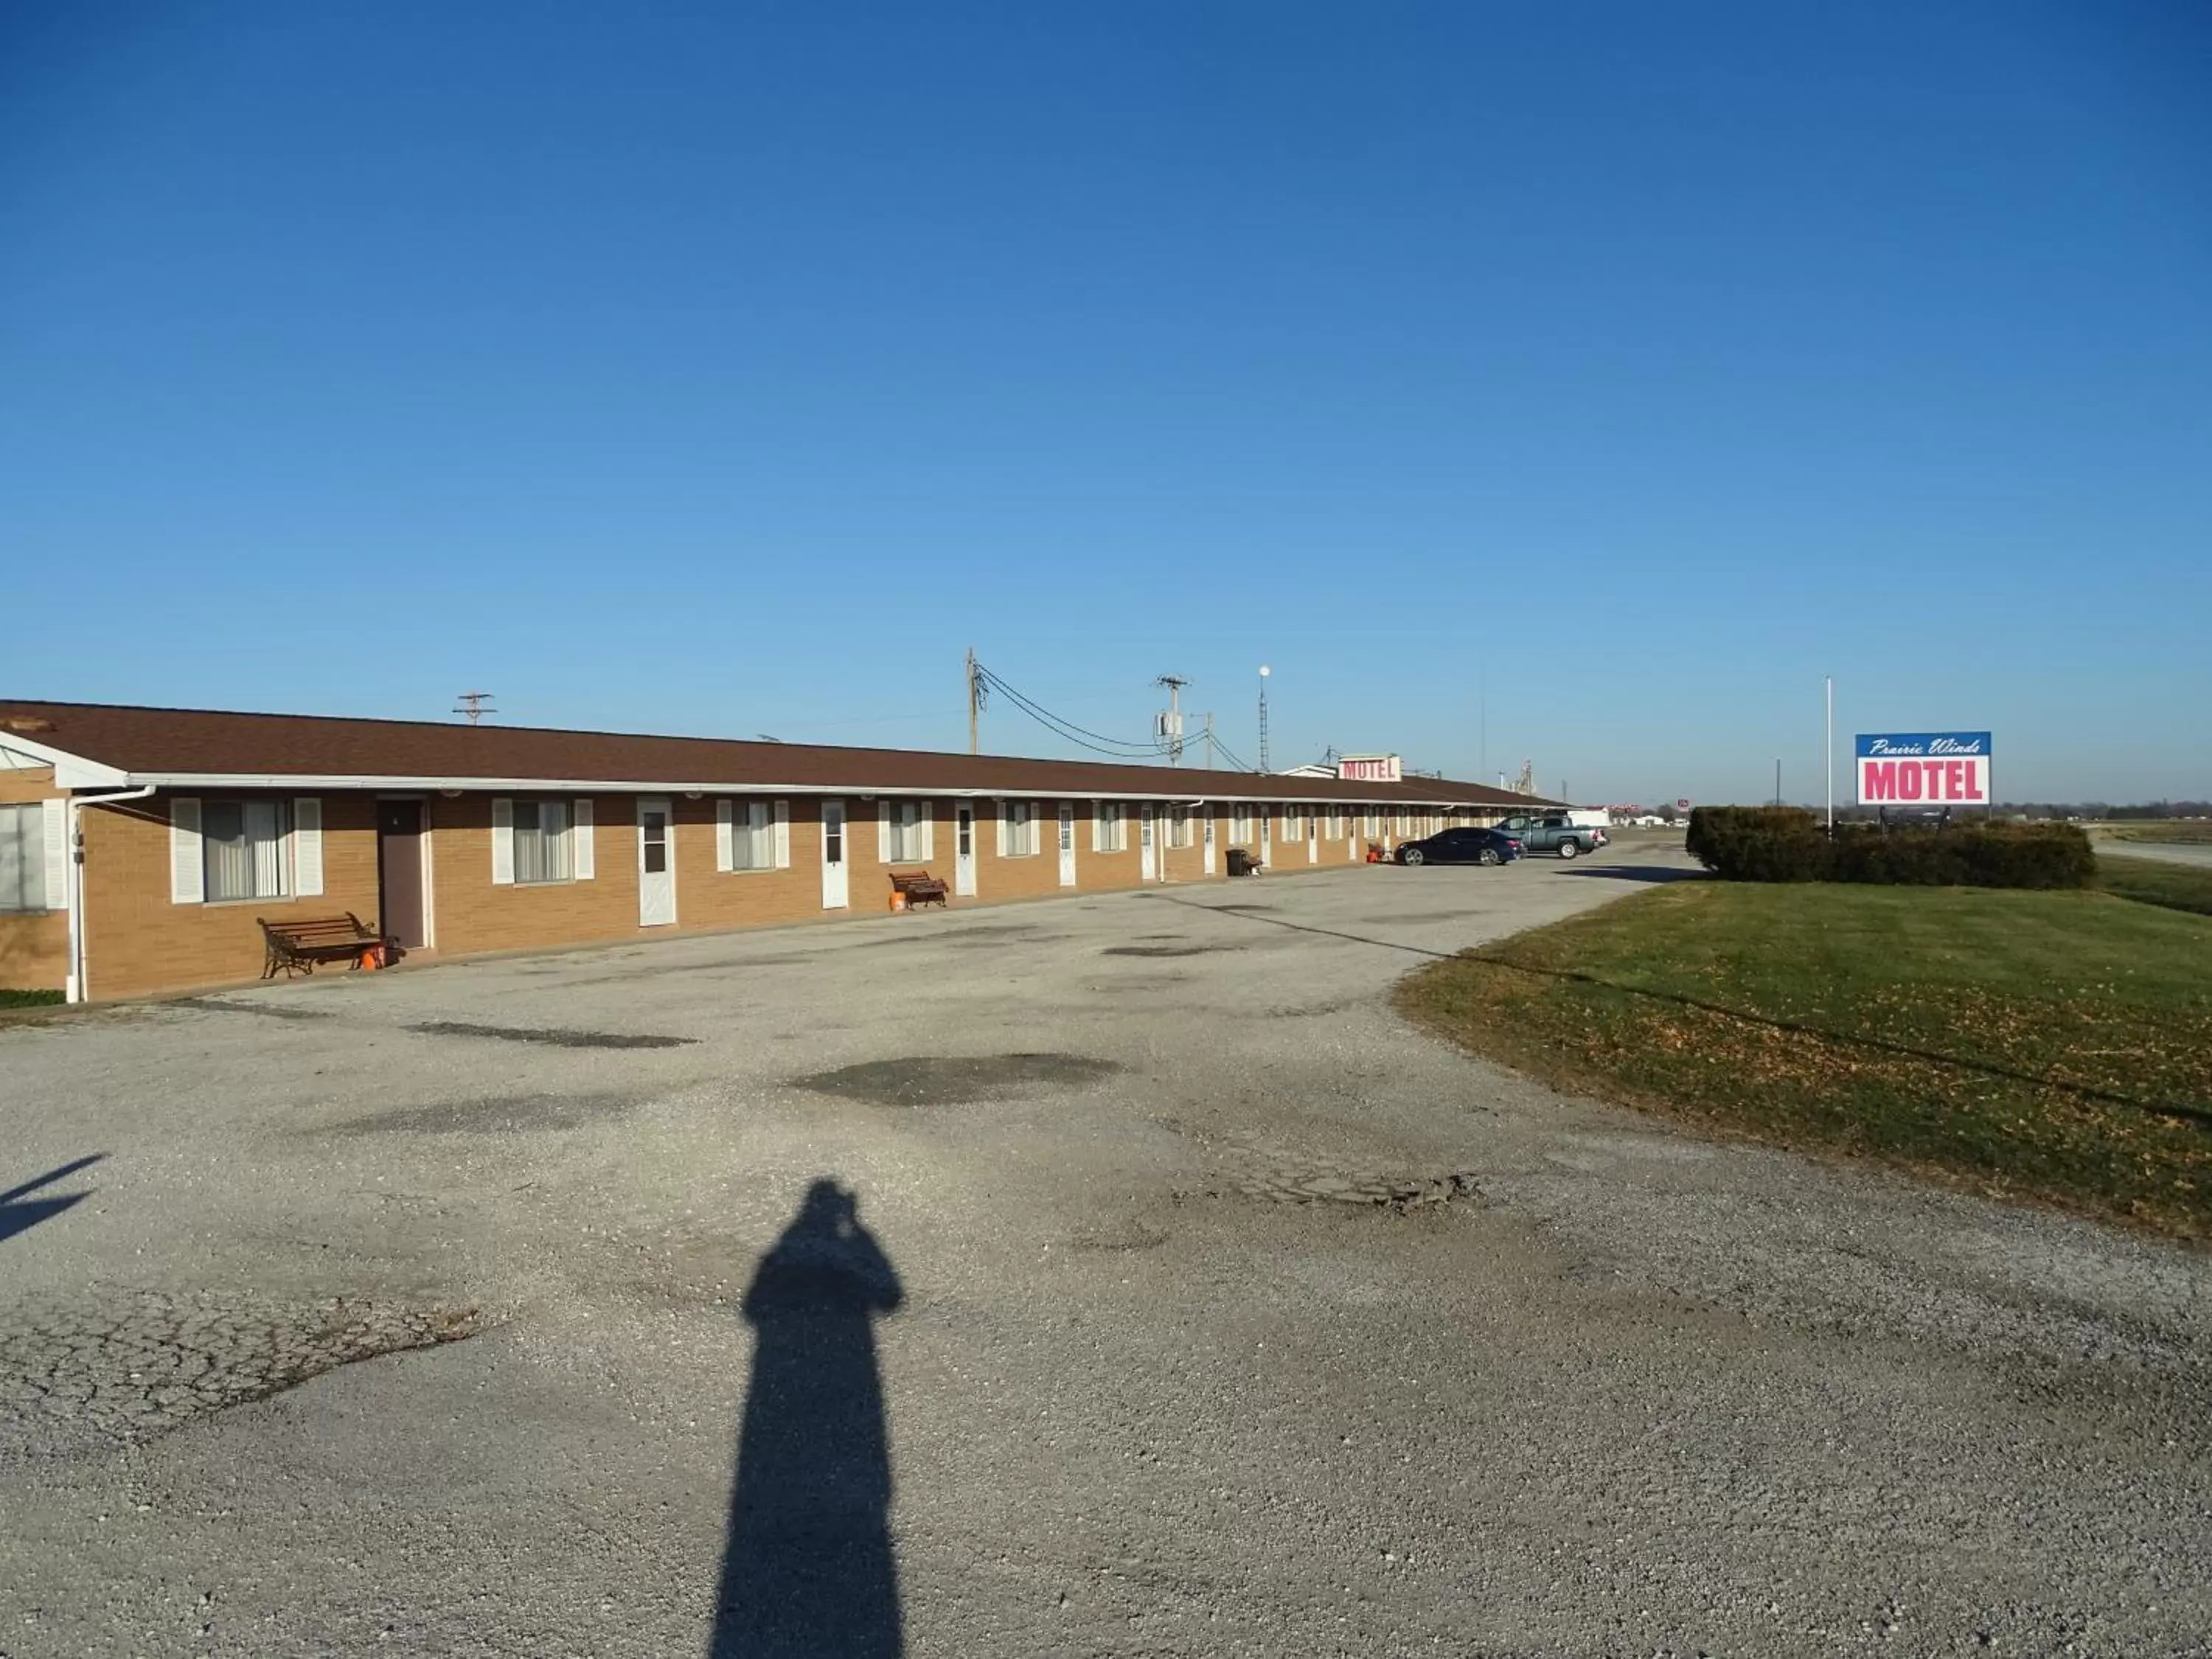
point(1099, 743)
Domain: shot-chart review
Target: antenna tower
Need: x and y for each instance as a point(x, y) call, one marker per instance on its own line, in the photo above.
point(476, 705)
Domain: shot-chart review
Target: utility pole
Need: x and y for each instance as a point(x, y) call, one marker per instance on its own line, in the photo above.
point(1264, 671)
point(1171, 722)
point(1209, 742)
point(1777, 780)
point(476, 705)
point(977, 695)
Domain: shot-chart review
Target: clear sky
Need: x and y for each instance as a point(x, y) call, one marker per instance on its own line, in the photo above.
point(731, 369)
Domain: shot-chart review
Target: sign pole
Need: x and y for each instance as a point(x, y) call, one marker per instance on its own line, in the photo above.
point(1828, 756)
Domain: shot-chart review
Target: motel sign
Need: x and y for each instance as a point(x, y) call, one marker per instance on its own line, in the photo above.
point(1371, 768)
point(1924, 768)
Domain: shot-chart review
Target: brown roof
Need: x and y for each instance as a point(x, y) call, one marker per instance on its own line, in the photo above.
point(168, 742)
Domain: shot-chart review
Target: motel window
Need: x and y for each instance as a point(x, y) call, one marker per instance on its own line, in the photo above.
point(1240, 825)
point(541, 841)
point(1020, 830)
point(1179, 826)
point(1113, 828)
point(242, 849)
point(904, 839)
point(752, 845)
point(23, 857)
point(1336, 824)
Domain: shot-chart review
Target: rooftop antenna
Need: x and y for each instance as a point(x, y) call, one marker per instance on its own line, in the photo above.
point(476, 705)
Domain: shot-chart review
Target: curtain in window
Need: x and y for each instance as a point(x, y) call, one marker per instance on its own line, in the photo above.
point(229, 857)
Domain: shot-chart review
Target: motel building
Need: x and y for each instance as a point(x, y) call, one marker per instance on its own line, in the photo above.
point(141, 849)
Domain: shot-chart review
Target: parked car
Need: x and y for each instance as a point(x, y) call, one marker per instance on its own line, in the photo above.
point(1554, 832)
point(1461, 846)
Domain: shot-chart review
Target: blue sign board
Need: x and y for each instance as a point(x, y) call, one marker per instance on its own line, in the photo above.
point(1927, 769)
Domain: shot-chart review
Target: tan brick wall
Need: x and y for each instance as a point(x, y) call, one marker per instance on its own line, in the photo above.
point(33, 946)
point(139, 943)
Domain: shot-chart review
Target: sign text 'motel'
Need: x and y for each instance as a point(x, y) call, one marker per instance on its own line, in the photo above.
point(1924, 768)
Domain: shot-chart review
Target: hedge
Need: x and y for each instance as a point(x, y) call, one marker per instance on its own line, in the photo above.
point(1785, 843)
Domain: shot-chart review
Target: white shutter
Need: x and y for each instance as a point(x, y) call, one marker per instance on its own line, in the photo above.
point(502, 841)
point(999, 818)
point(722, 860)
point(57, 853)
point(308, 846)
point(928, 832)
point(583, 854)
point(783, 834)
point(1097, 826)
point(187, 875)
point(883, 832)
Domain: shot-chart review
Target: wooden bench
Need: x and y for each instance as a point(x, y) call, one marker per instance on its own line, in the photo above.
point(919, 886)
point(302, 944)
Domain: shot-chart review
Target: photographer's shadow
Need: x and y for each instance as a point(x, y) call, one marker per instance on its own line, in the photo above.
point(807, 1568)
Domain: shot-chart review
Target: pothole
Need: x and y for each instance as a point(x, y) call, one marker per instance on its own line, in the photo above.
point(489, 1115)
point(130, 1365)
point(955, 1079)
point(1167, 950)
point(1402, 1194)
point(551, 1037)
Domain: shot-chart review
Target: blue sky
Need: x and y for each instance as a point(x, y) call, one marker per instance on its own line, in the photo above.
point(1621, 368)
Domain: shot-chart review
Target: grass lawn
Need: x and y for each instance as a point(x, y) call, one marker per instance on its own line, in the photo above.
point(2177, 886)
point(2167, 830)
point(2054, 1045)
point(27, 998)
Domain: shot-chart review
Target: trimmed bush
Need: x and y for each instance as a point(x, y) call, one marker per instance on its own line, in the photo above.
point(1785, 843)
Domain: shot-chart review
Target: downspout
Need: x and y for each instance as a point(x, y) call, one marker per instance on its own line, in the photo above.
point(74, 989)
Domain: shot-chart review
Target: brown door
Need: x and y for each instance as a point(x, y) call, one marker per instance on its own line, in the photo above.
point(399, 870)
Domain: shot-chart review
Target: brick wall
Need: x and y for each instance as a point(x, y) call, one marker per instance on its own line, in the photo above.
point(138, 942)
point(34, 945)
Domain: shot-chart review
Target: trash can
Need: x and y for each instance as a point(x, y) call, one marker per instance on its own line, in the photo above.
point(1240, 861)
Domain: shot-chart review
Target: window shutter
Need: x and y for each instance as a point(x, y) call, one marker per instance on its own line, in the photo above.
point(502, 841)
point(722, 860)
point(928, 832)
point(583, 860)
point(308, 846)
point(783, 834)
point(57, 853)
point(187, 875)
point(883, 832)
point(1097, 826)
point(999, 817)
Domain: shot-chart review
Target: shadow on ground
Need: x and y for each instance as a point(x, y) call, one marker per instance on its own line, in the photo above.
point(1655, 874)
point(20, 1214)
point(807, 1568)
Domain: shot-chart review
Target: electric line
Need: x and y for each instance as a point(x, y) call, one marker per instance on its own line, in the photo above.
point(1119, 749)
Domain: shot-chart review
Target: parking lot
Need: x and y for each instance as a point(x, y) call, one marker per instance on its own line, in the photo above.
point(1202, 1306)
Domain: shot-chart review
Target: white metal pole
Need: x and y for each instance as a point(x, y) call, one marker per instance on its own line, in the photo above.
point(1828, 756)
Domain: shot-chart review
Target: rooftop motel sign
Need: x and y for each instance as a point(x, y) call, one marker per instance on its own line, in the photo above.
point(1924, 768)
point(1370, 768)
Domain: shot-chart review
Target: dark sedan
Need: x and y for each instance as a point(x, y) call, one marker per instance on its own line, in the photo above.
point(1461, 846)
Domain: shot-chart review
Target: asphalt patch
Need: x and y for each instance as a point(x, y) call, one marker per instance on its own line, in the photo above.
point(955, 1079)
point(1248, 907)
point(492, 1115)
point(267, 1010)
point(1166, 950)
point(553, 1038)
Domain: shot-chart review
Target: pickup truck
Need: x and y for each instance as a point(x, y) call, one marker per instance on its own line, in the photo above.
point(1554, 833)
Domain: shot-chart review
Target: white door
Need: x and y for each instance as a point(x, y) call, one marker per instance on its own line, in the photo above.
point(1209, 843)
point(1267, 837)
point(1067, 844)
point(836, 893)
point(656, 864)
point(1145, 842)
point(1313, 836)
point(963, 851)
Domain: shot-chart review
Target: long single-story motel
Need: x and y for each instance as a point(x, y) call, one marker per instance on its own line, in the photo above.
point(140, 848)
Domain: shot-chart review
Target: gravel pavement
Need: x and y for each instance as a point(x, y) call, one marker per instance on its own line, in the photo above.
point(1173, 1298)
point(2198, 854)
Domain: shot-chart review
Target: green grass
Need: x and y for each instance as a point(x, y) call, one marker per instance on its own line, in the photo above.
point(2147, 881)
point(2057, 1045)
point(2165, 829)
point(27, 998)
